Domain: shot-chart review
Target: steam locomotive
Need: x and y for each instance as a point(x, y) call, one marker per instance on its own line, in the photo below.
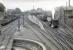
point(54, 23)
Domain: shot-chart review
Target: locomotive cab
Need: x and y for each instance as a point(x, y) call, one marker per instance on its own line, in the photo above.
point(54, 23)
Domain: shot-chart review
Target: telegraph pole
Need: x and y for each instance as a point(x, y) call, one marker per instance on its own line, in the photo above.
point(18, 23)
point(18, 16)
point(0, 28)
point(33, 4)
point(23, 20)
point(69, 3)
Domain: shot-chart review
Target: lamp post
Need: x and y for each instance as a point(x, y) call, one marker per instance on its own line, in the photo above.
point(18, 16)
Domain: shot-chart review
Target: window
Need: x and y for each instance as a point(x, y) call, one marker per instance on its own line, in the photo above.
point(68, 11)
point(70, 16)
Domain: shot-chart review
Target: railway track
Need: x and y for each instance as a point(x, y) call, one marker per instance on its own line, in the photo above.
point(56, 37)
point(8, 34)
point(45, 34)
point(67, 29)
point(61, 37)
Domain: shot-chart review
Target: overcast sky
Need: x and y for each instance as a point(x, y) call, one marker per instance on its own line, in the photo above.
point(28, 4)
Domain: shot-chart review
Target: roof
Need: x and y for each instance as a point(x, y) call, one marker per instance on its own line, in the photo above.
point(68, 8)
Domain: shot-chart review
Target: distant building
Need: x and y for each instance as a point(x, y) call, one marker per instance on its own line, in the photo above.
point(65, 15)
point(41, 14)
point(59, 15)
point(10, 11)
point(68, 16)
